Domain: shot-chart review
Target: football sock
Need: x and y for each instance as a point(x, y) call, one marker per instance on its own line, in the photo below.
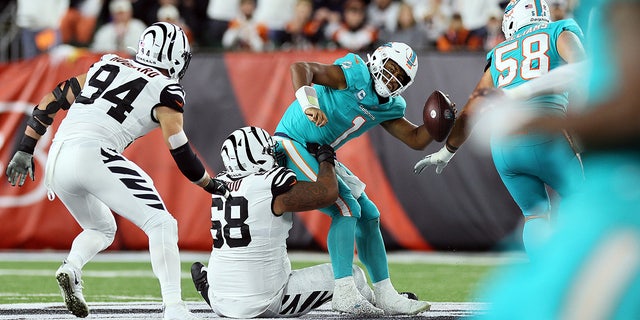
point(371, 250)
point(340, 245)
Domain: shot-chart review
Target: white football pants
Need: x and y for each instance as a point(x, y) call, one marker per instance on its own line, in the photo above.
point(92, 180)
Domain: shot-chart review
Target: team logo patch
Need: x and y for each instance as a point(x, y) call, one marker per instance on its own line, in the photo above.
point(411, 59)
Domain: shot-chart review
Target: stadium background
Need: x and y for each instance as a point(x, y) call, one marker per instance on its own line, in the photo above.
point(466, 208)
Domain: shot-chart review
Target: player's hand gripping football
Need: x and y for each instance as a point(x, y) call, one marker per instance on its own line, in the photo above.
point(20, 166)
point(316, 116)
point(439, 159)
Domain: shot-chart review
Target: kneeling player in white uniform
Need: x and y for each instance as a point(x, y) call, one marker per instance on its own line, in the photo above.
point(249, 271)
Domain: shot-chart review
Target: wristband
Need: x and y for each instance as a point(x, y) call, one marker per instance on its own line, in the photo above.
point(307, 97)
point(450, 148)
point(27, 144)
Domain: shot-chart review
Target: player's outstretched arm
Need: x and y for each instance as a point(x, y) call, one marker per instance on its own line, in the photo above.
point(414, 136)
point(305, 196)
point(171, 122)
point(21, 164)
point(459, 133)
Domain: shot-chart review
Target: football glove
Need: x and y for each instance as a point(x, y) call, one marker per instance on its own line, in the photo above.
point(217, 187)
point(19, 167)
point(439, 159)
point(322, 152)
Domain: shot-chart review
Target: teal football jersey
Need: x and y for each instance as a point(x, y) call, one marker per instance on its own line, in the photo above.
point(530, 53)
point(350, 111)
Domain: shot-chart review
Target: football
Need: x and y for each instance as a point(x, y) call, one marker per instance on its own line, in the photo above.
point(438, 115)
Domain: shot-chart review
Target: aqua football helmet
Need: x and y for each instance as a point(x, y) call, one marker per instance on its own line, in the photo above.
point(248, 150)
point(165, 46)
point(520, 13)
point(403, 56)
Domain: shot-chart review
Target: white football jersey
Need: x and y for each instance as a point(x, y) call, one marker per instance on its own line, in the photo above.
point(249, 266)
point(117, 101)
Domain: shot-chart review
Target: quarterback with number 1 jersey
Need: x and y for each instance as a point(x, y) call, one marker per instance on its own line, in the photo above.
point(334, 104)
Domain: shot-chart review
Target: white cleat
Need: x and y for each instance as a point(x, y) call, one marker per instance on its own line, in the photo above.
point(70, 285)
point(395, 304)
point(362, 284)
point(178, 311)
point(346, 298)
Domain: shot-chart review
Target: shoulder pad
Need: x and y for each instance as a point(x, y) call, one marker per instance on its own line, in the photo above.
point(172, 96)
point(283, 179)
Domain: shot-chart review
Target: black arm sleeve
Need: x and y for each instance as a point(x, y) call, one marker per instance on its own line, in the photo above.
point(188, 163)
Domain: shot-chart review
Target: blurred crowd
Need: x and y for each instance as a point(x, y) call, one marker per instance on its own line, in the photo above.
point(269, 25)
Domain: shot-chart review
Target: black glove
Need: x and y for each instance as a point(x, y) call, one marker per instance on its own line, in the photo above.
point(312, 147)
point(217, 187)
point(326, 153)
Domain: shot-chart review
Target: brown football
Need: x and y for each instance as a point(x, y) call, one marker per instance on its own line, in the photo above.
point(438, 115)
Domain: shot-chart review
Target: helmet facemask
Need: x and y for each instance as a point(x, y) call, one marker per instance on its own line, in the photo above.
point(404, 58)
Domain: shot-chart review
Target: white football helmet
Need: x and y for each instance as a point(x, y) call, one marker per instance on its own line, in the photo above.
point(520, 13)
point(399, 53)
point(165, 46)
point(248, 150)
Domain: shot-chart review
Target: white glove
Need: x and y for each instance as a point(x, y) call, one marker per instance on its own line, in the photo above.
point(440, 159)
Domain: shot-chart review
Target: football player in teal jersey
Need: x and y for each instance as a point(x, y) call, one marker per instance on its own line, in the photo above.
point(527, 162)
point(334, 104)
point(591, 266)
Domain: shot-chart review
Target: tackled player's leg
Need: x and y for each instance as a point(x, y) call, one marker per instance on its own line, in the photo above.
point(344, 214)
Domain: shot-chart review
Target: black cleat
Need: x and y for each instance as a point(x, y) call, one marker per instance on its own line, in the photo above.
point(199, 277)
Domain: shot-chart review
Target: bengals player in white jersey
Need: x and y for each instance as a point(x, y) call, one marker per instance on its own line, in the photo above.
point(249, 274)
point(117, 101)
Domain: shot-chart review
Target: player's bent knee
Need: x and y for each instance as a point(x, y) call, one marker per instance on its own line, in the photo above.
point(163, 221)
point(109, 236)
